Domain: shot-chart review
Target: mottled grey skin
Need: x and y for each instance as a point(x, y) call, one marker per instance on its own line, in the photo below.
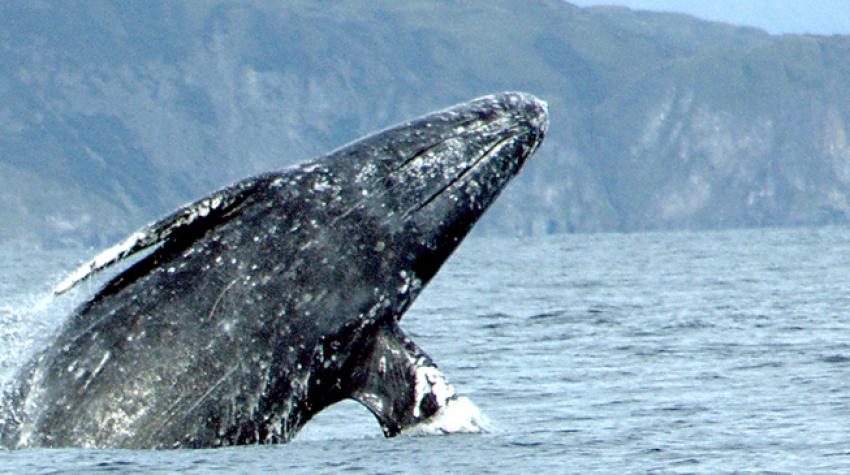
point(280, 298)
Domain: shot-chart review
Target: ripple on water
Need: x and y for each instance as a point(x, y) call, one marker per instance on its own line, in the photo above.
point(598, 353)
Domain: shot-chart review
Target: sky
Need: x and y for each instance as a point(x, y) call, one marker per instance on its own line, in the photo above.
point(823, 17)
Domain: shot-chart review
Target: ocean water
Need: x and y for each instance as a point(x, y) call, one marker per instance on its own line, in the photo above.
point(685, 352)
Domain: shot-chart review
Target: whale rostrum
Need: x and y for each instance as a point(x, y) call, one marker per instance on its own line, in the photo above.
point(260, 305)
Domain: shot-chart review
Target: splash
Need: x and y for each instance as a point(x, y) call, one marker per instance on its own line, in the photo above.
point(458, 416)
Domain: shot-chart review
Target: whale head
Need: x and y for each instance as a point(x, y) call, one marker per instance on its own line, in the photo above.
point(425, 183)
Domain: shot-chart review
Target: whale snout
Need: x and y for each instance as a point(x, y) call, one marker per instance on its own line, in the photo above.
point(523, 108)
point(535, 111)
point(533, 114)
point(520, 114)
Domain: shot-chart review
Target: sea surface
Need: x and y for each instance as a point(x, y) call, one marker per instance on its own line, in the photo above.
point(682, 352)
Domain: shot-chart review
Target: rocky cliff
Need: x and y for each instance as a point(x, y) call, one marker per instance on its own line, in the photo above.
point(113, 114)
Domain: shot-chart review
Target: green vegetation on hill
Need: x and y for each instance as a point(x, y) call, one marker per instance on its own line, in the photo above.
point(113, 114)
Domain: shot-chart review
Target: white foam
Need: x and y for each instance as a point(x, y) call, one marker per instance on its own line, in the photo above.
point(430, 380)
point(458, 416)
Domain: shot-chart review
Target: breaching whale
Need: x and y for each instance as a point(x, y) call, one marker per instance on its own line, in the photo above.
point(273, 298)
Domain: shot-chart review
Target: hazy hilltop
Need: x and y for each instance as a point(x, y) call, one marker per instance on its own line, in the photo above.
point(113, 114)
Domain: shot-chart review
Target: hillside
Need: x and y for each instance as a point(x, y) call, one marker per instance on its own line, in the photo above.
point(113, 116)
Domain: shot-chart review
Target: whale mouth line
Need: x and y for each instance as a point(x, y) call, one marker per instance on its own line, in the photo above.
point(464, 173)
point(419, 154)
point(454, 136)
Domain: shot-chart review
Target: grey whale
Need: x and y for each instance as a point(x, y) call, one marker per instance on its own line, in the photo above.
point(269, 300)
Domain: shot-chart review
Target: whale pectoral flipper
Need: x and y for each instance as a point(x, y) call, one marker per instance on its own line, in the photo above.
point(202, 212)
point(404, 389)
